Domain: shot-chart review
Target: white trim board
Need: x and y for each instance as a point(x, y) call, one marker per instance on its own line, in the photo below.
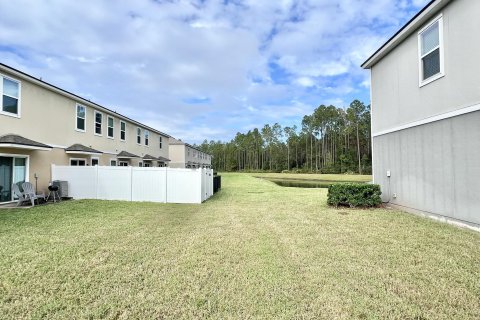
point(21, 146)
point(439, 117)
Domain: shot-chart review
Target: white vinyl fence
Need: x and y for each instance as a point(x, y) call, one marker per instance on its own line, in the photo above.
point(168, 185)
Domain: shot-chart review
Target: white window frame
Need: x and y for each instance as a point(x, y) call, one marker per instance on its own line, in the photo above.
point(95, 123)
point(19, 107)
point(139, 135)
point(147, 165)
point(422, 82)
point(161, 142)
point(124, 131)
point(94, 158)
point(121, 163)
point(140, 164)
point(84, 119)
point(113, 127)
point(146, 137)
point(113, 161)
point(77, 159)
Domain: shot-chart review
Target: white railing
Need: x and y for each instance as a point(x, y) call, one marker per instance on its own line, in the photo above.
point(168, 185)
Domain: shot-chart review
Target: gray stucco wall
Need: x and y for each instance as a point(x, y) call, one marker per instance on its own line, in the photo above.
point(434, 167)
point(397, 98)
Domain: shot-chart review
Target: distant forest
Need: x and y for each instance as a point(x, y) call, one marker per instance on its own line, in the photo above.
point(331, 140)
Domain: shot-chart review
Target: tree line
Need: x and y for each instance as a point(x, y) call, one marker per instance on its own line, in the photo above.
point(330, 140)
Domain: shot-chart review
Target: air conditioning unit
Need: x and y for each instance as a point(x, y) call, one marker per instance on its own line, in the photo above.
point(62, 188)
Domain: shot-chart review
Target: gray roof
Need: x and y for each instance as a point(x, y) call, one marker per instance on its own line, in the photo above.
point(149, 157)
point(125, 154)
point(16, 139)
point(77, 147)
point(162, 159)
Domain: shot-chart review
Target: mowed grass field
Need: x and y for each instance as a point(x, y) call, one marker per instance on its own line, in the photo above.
point(254, 251)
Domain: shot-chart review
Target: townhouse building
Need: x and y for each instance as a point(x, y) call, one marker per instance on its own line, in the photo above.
point(184, 155)
point(41, 125)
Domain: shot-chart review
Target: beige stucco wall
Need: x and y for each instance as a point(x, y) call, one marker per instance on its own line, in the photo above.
point(397, 98)
point(177, 156)
point(49, 118)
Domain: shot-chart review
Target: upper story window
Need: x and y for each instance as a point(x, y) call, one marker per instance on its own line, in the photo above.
point(147, 134)
point(98, 123)
point(10, 93)
point(81, 116)
point(123, 130)
point(139, 136)
point(161, 140)
point(110, 127)
point(430, 42)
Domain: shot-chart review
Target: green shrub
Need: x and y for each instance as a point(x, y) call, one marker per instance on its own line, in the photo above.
point(354, 195)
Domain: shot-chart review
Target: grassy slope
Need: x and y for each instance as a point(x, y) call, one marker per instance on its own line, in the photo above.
point(315, 177)
point(255, 250)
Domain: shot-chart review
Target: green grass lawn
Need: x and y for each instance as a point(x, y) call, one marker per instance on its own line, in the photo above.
point(255, 250)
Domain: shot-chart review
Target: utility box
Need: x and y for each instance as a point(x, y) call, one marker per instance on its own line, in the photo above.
point(62, 188)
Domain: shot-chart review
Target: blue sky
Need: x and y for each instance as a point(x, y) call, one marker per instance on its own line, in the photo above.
point(202, 69)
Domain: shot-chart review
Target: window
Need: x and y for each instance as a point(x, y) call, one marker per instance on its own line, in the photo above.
point(430, 42)
point(146, 137)
point(78, 162)
point(139, 136)
point(81, 114)
point(94, 162)
point(188, 152)
point(123, 164)
point(98, 123)
point(146, 165)
point(113, 163)
point(123, 129)
point(10, 92)
point(160, 142)
point(110, 127)
point(140, 164)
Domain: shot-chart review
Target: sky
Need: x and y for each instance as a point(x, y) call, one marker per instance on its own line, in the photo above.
point(203, 69)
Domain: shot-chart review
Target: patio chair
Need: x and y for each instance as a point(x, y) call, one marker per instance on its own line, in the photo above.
point(21, 196)
point(29, 192)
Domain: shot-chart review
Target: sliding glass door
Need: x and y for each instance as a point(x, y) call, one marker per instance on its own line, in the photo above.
point(6, 178)
point(12, 170)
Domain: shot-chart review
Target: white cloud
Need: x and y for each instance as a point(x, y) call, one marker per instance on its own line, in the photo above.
point(147, 59)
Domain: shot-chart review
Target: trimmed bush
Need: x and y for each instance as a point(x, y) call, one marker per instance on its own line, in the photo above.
point(354, 195)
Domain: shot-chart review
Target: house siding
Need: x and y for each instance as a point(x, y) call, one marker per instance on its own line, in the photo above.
point(434, 168)
point(433, 164)
point(397, 98)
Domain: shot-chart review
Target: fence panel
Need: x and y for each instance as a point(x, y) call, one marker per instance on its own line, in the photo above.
point(149, 184)
point(114, 183)
point(184, 186)
point(137, 184)
point(85, 178)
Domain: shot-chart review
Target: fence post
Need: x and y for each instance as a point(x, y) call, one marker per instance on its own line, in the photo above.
point(96, 182)
point(131, 182)
point(166, 184)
